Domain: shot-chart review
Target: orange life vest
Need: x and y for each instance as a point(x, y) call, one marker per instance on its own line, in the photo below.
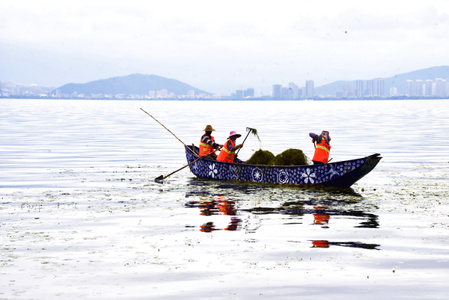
point(206, 148)
point(227, 155)
point(322, 152)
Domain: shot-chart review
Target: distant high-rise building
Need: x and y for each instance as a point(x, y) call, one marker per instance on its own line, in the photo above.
point(359, 88)
point(369, 88)
point(276, 92)
point(419, 88)
point(410, 88)
point(294, 89)
point(287, 93)
point(309, 88)
point(428, 87)
point(440, 87)
point(239, 94)
point(380, 87)
point(248, 92)
point(393, 91)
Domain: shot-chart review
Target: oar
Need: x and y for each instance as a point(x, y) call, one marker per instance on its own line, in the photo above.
point(162, 177)
point(168, 130)
point(250, 130)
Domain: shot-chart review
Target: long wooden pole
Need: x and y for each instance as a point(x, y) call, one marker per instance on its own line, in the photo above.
point(162, 177)
point(168, 130)
point(250, 130)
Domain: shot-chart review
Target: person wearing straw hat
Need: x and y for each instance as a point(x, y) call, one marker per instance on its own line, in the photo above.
point(227, 153)
point(207, 143)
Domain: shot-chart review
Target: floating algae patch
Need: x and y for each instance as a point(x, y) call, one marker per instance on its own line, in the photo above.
point(290, 157)
point(261, 157)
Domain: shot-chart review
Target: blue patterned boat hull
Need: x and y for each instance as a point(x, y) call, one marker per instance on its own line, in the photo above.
point(338, 174)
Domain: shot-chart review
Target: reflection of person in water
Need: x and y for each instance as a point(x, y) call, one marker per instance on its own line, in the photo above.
point(223, 207)
point(321, 218)
point(321, 244)
point(227, 207)
point(234, 224)
point(208, 227)
point(327, 244)
point(207, 208)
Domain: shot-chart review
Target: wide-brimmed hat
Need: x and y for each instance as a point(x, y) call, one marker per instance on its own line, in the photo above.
point(234, 133)
point(209, 128)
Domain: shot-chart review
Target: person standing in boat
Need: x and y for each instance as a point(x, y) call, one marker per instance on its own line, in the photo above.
point(322, 147)
point(227, 153)
point(207, 143)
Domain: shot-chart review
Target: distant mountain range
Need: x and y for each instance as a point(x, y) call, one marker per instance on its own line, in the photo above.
point(149, 85)
point(399, 81)
point(140, 84)
point(137, 84)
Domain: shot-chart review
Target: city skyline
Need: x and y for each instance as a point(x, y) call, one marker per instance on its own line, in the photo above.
point(359, 89)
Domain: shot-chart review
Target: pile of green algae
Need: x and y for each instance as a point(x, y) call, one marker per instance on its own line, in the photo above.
point(290, 157)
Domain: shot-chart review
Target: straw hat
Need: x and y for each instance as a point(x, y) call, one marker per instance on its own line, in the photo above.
point(209, 128)
point(234, 133)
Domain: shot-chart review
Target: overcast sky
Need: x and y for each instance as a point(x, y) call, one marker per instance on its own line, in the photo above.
point(220, 46)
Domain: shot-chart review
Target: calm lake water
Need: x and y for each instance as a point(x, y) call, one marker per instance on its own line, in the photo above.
point(81, 215)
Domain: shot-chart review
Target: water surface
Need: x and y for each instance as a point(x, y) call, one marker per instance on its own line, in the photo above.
point(81, 215)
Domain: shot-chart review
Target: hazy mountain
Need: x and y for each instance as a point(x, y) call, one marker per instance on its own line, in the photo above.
point(139, 84)
point(131, 84)
point(399, 81)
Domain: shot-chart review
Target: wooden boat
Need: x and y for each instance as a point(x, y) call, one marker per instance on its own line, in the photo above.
point(341, 174)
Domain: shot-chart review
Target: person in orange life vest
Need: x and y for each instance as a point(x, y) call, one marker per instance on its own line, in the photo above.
point(322, 147)
point(207, 143)
point(227, 153)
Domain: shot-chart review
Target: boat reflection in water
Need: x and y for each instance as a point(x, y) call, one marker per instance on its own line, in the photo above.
point(328, 208)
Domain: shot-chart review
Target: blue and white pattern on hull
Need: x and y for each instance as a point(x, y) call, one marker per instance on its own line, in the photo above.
point(338, 174)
